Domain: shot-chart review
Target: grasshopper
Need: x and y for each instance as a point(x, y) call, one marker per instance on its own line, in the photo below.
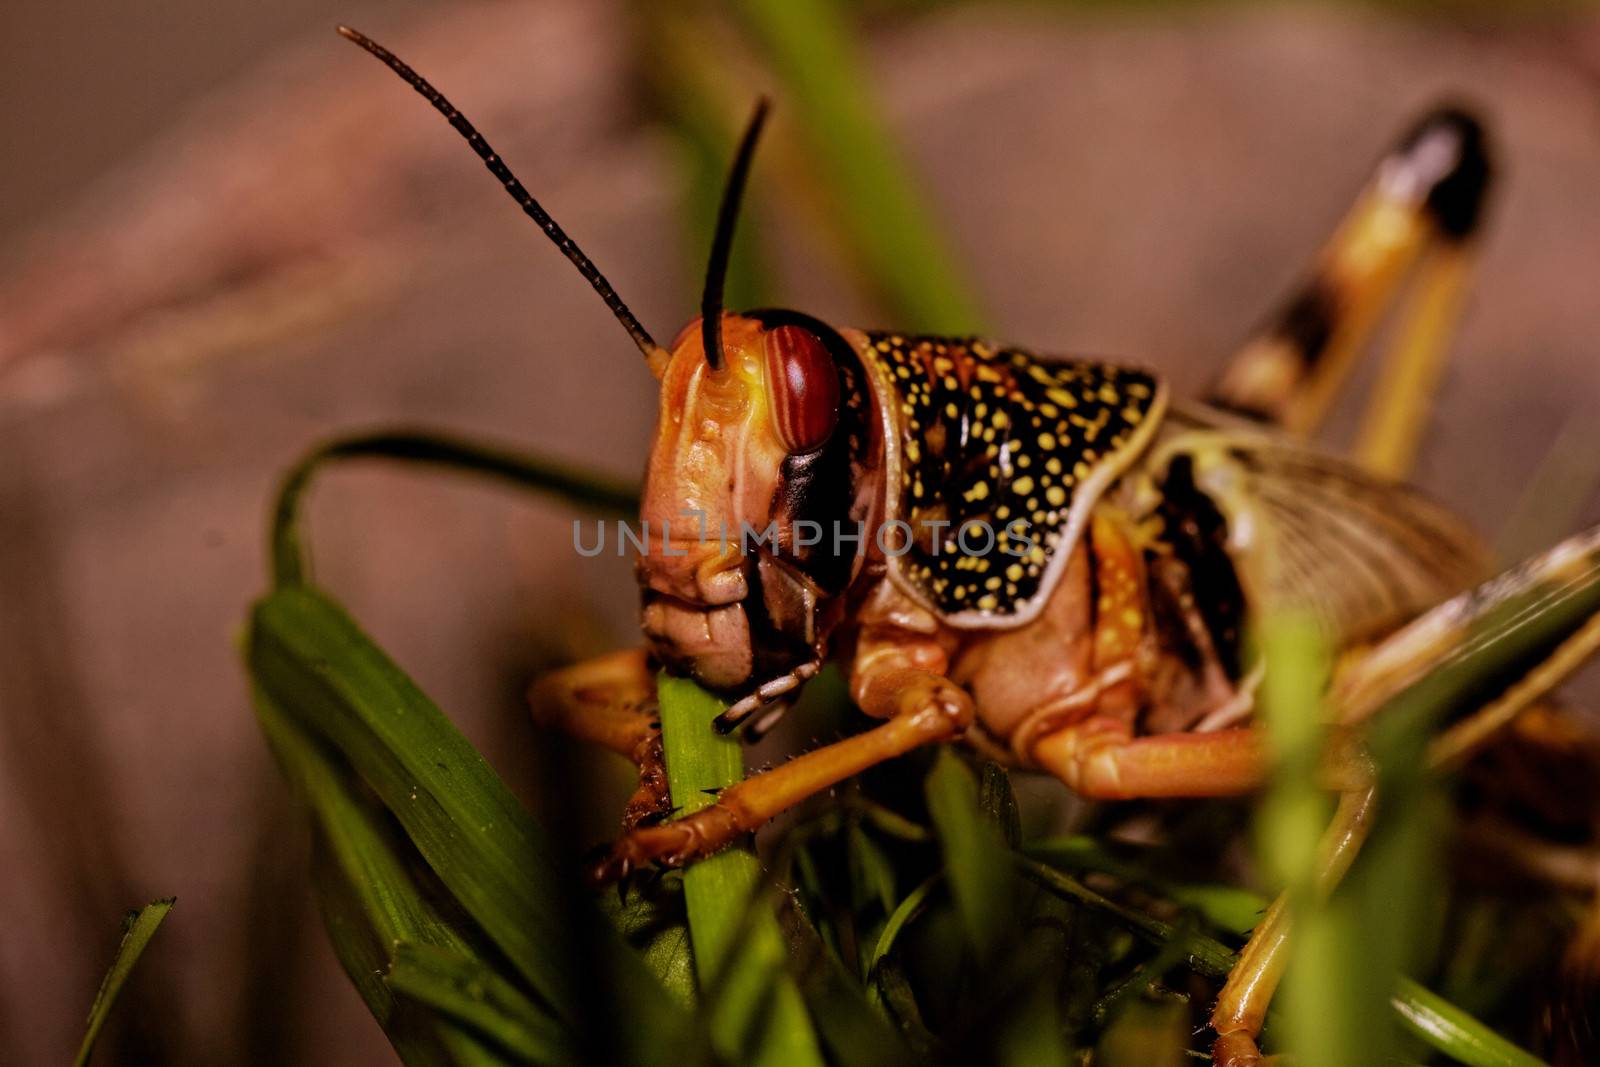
point(1076, 556)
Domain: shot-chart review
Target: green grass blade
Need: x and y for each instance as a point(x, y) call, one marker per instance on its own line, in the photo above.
point(855, 1034)
point(902, 916)
point(977, 862)
point(434, 450)
point(810, 45)
point(365, 880)
point(655, 925)
point(1225, 907)
point(1340, 969)
point(1204, 955)
point(466, 990)
point(363, 953)
point(138, 928)
point(309, 658)
point(739, 949)
point(354, 838)
point(1452, 1031)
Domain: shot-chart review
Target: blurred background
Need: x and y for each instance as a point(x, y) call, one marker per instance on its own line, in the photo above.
point(226, 235)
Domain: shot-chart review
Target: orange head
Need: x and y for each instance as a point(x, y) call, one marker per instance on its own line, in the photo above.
point(756, 469)
point(773, 434)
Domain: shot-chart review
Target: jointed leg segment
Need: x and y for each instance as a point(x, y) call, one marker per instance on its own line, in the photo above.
point(1241, 1008)
point(931, 709)
point(610, 701)
point(898, 677)
point(1101, 759)
point(1417, 215)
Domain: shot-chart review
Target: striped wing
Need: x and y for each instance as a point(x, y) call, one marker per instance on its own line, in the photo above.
point(1312, 533)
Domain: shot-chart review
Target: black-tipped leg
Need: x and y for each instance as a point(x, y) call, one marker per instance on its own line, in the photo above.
point(1417, 216)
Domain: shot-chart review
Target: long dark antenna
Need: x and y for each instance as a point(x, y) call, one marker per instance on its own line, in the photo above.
point(515, 188)
point(722, 241)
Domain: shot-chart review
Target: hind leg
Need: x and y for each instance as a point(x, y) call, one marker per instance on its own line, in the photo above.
point(1418, 214)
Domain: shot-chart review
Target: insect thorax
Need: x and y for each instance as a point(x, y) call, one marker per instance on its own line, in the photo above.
point(1001, 455)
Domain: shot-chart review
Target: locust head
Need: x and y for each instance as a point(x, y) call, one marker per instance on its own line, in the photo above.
point(757, 498)
point(761, 459)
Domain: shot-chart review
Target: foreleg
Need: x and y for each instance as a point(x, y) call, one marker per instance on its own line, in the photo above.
point(899, 680)
point(610, 701)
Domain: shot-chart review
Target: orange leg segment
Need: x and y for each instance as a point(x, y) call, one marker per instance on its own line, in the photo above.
point(1100, 758)
point(610, 701)
point(930, 709)
point(1241, 1008)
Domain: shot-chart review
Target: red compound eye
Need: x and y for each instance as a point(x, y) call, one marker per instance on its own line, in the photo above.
point(804, 385)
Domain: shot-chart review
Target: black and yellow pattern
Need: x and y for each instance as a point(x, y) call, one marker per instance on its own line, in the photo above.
point(997, 436)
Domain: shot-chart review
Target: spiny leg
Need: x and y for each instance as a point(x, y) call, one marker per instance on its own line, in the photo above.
point(1422, 204)
point(892, 681)
point(610, 701)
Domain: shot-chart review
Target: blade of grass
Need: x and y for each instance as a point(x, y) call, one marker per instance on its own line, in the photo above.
point(854, 1033)
point(810, 46)
point(724, 900)
point(1225, 907)
point(976, 860)
point(1350, 951)
point(138, 927)
point(363, 953)
point(369, 896)
point(464, 989)
point(1031, 1035)
point(1342, 961)
point(654, 924)
point(1452, 1031)
point(435, 450)
point(1205, 956)
point(903, 914)
point(310, 658)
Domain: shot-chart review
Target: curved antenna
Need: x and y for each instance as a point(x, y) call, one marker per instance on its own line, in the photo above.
point(722, 240)
point(518, 192)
